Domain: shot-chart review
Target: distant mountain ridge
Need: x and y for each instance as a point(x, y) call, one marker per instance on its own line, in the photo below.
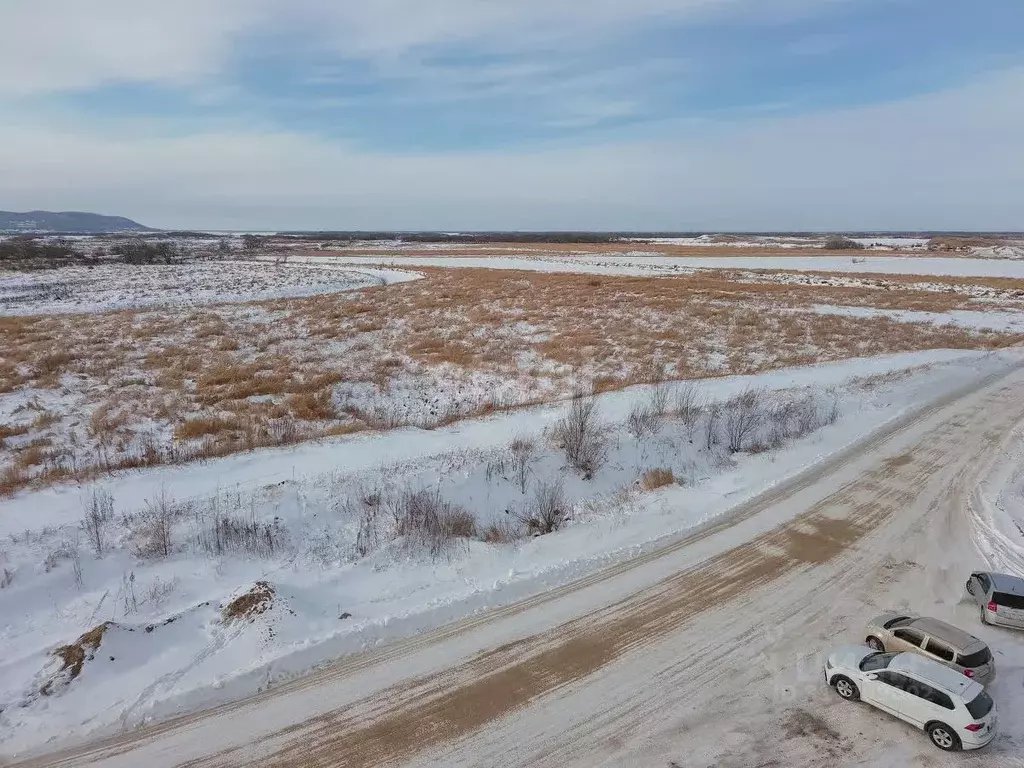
point(66, 222)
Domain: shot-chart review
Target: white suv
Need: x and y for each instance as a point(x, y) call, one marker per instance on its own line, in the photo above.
point(956, 711)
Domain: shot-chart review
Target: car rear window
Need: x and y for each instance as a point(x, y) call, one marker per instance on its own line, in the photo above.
point(981, 706)
point(1010, 601)
point(976, 659)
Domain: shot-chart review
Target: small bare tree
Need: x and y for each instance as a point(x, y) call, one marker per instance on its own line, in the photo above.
point(711, 425)
point(99, 510)
point(548, 510)
point(523, 451)
point(582, 435)
point(688, 406)
point(742, 416)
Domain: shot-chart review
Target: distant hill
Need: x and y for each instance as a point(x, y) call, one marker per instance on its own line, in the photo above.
point(66, 222)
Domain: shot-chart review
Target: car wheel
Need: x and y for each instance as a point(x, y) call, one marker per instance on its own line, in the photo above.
point(846, 688)
point(970, 589)
point(875, 644)
point(943, 737)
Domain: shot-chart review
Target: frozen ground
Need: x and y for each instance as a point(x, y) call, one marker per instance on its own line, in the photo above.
point(787, 241)
point(640, 263)
point(317, 523)
point(110, 286)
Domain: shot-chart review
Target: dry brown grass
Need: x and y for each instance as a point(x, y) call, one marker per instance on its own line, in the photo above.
point(251, 604)
point(74, 655)
point(657, 478)
point(239, 377)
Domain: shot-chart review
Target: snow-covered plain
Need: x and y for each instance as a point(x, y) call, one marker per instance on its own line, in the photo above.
point(110, 286)
point(342, 583)
point(641, 263)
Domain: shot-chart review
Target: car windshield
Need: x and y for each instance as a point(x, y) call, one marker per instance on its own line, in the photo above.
point(897, 622)
point(1010, 601)
point(981, 706)
point(876, 661)
point(976, 659)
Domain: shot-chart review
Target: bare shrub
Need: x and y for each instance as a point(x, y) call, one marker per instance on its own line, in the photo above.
point(548, 510)
point(657, 478)
point(687, 406)
point(833, 411)
point(425, 520)
point(660, 394)
point(642, 421)
point(711, 426)
point(6, 578)
point(582, 436)
point(742, 416)
point(127, 593)
point(154, 529)
point(523, 452)
point(99, 510)
point(158, 591)
point(502, 532)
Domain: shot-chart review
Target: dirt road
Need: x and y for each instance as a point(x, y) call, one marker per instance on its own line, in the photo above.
point(705, 652)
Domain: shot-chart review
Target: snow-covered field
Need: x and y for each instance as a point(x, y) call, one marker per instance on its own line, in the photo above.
point(641, 263)
point(789, 241)
point(108, 286)
point(327, 527)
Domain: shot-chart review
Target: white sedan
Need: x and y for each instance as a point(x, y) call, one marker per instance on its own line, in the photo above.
point(955, 711)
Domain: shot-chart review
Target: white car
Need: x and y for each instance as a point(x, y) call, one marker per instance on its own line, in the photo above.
point(955, 711)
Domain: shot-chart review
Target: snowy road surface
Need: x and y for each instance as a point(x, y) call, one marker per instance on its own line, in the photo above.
point(704, 653)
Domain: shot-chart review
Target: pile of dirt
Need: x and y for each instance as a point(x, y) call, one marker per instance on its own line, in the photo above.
point(74, 656)
point(251, 604)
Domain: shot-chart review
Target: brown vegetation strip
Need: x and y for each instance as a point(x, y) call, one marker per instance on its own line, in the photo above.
point(235, 377)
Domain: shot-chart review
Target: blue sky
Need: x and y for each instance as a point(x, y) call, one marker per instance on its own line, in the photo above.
point(497, 114)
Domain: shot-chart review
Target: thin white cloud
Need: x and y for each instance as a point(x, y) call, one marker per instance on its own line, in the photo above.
point(62, 45)
point(950, 160)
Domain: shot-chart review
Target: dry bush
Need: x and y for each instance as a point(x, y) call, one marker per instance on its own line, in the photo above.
point(523, 451)
point(99, 511)
point(643, 421)
point(220, 533)
point(153, 529)
point(426, 521)
point(657, 478)
point(502, 532)
point(711, 425)
point(742, 415)
point(6, 578)
point(688, 406)
point(200, 426)
point(548, 510)
point(582, 435)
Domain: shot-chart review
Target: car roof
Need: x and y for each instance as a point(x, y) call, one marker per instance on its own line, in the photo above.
point(953, 635)
point(1004, 582)
point(937, 674)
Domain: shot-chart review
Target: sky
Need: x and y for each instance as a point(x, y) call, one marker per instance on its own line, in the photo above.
point(710, 115)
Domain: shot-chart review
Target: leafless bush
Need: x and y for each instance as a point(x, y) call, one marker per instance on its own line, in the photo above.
point(99, 510)
point(711, 425)
point(6, 578)
point(660, 394)
point(127, 593)
point(841, 243)
point(742, 416)
point(548, 510)
point(523, 452)
point(153, 530)
point(642, 421)
point(366, 512)
point(158, 591)
point(582, 436)
point(227, 534)
point(502, 532)
point(425, 520)
point(833, 410)
point(688, 406)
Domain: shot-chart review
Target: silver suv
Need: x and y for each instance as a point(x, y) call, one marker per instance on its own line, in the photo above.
point(934, 639)
point(1000, 597)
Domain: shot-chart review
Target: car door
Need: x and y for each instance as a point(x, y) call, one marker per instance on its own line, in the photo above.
point(886, 691)
point(921, 703)
point(906, 639)
point(980, 586)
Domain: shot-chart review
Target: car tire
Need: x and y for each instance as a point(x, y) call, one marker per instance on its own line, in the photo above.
point(845, 687)
point(970, 589)
point(875, 644)
point(943, 737)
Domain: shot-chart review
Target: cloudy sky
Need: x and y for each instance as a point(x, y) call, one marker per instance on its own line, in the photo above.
point(517, 114)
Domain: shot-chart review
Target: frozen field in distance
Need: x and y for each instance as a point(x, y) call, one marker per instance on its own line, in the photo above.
point(118, 286)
